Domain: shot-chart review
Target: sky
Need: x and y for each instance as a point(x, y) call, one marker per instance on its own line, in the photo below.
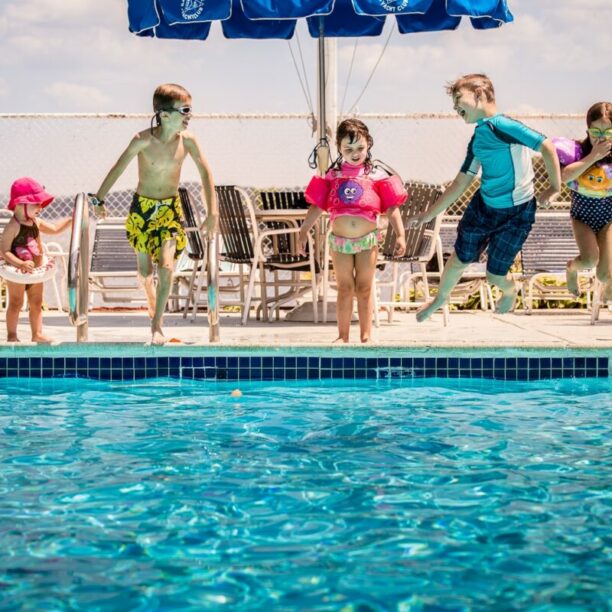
point(65, 56)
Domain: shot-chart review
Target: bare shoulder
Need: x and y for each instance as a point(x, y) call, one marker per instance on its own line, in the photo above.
point(11, 229)
point(141, 140)
point(190, 140)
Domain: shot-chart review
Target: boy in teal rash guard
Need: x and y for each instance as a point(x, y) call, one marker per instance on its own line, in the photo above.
point(501, 213)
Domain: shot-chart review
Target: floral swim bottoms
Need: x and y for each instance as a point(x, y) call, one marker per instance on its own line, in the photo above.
point(151, 222)
point(352, 246)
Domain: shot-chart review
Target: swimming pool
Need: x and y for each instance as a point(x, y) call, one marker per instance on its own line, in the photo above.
point(395, 494)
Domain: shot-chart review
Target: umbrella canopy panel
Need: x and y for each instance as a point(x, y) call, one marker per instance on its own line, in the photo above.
point(265, 19)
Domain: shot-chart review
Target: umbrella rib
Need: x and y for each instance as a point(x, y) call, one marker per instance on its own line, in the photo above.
point(306, 86)
point(348, 78)
point(373, 70)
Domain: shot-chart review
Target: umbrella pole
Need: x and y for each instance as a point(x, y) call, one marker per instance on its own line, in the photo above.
point(327, 90)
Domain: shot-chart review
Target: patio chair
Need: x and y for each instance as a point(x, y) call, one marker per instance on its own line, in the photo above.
point(422, 244)
point(545, 253)
point(113, 271)
point(263, 250)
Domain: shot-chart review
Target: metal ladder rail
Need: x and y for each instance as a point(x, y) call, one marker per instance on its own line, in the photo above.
point(78, 268)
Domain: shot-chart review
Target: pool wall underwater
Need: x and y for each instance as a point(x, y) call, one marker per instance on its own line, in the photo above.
point(129, 362)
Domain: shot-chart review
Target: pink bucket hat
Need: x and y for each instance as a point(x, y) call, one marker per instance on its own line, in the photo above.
point(28, 191)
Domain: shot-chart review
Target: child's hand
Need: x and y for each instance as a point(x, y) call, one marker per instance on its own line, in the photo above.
point(211, 225)
point(417, 221)
point(100, 212)
point(27, 265)
point(301, 245)
point(547, 197)
point(400, 246)
point(601, 149)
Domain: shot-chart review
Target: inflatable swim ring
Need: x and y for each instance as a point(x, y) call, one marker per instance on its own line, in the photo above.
point(37, 275)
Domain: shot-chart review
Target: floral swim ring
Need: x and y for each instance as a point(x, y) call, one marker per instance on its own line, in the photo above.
point(42, 273)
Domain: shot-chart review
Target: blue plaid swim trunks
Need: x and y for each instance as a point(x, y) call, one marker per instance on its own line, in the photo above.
point(501, 231)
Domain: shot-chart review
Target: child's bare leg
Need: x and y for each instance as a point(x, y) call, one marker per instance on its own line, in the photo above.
point(508, 288)
point(146, 279)
point(365, 268)
point(604, 266)
point(344, 265)
point(453, 270)
point(165, 270)
point(588, 248)
point(35, 300)
point(15, 304)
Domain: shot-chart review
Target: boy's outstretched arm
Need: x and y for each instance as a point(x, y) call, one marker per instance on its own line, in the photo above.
point(208, 187)
point(135, 146)
point(454, 191)
point(551, 161)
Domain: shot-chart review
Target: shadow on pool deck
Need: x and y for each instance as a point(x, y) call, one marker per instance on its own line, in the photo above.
point(550, 328)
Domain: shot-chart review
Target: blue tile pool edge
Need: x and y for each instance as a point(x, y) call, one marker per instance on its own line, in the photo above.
point(295, 363)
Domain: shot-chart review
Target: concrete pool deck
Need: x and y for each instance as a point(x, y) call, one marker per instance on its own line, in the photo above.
point(551, 329)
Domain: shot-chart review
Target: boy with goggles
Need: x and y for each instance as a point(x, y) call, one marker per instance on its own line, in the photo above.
point(154, 225)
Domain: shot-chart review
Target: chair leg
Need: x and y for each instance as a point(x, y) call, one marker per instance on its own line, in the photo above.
point(246, 305)
point(315, 290)
point(445, 315)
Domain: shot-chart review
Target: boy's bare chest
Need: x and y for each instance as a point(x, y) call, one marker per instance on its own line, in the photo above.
point(163, 156)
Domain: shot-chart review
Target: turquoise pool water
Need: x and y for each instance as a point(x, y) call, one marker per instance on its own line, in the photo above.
point(423, 495)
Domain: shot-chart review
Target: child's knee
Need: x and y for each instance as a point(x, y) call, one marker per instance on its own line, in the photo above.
point(363, 288)
point(346, 286)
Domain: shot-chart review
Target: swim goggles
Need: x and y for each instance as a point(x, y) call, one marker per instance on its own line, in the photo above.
point(597, 133)
point(184, 110)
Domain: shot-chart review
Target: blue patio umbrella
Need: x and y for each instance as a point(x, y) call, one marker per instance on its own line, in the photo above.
point(266, 19)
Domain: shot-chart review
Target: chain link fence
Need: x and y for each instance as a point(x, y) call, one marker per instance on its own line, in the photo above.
point(73, 153)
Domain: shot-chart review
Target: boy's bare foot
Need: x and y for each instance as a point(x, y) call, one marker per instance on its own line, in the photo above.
point(506, 302)
point(340, 340)
point(571, 274)
point(425, 311)
point(365, 340)
point(158, 338)
point(40, 339)
point(13, 339)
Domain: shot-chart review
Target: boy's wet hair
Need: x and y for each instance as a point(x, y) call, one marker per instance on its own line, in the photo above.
point(599, 110)
point(472, 82)
point(354, 129)
point(168, 93)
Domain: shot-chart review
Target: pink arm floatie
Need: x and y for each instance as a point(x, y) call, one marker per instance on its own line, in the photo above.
point(317, 192)
point(391, 191)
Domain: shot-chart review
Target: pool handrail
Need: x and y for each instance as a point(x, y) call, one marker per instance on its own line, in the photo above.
point(212, 273)
point(78, 268)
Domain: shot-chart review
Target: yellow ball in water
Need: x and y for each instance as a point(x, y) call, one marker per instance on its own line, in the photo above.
point(236, 393)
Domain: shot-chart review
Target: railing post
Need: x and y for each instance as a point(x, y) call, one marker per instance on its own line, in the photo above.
point(78, 268)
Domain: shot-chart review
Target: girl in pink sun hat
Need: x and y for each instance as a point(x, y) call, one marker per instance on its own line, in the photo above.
point(21, 248)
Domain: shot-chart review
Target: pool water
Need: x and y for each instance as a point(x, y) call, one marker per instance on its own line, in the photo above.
point(424, 495)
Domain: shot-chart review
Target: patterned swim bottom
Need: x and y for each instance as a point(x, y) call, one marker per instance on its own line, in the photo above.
point(352, 246)
point(151, 222)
